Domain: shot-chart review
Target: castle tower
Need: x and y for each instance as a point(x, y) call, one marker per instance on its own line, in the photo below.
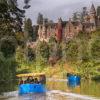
point(92, 10)
point(69, 30)
point(85, 11)
point(92, 14)
point(93, 18)
point(44, 30)
point(84, 14)
point(49, 29)
point(59, 30)
point(40, 31)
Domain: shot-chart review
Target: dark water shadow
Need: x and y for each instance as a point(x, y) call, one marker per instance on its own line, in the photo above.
point(7, 86)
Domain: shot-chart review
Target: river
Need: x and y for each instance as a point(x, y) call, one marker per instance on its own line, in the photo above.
point(57, 90)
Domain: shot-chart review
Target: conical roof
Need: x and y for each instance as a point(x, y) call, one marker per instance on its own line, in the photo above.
point(92, 10)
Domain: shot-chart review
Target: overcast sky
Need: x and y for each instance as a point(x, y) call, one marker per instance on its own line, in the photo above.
point(53, 9)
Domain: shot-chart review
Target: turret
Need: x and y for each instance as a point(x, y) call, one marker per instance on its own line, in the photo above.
point(69, 31)
point(93, 18)
point(44, 29)
point(92, 10)
point(84, 14)
point(85, 11)
point(59, 21)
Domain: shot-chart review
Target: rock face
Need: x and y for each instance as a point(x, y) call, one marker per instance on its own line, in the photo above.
point(64, 30)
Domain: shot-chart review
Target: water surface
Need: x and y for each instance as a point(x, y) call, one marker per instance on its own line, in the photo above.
point(57, 90)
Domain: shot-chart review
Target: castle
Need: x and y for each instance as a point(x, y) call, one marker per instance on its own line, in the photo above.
point(64, 30)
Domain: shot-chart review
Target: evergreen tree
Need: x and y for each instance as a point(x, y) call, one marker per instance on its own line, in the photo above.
point(95, 47)
point(75, 17)
point(10, 18)
point(42, 50)
point(71, 50)
point(11, 21)
point(26, 4)
point(28, 28)
point(40, 19)
point(8, 46)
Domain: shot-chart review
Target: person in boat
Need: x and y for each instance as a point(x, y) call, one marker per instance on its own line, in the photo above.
point(42, 79)
point(27, 80)
point(31, 80)
point(21, 81)
point(36, 81)
point(69, 74)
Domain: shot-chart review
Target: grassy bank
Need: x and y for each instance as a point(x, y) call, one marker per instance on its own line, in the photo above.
point(59, 70)
point(86, 70)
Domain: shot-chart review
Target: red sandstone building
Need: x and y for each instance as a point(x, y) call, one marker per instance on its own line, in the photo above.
point(63, 30)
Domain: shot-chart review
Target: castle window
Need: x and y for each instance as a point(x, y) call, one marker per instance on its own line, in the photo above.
point(75, 27)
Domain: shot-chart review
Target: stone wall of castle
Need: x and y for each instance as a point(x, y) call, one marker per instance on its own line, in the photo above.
point(63, 30)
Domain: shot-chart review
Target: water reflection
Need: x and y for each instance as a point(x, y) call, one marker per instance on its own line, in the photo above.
point(90, 88)
point(8, 86)
point(40, 96)
point(73, 84)
point(51, 95)
point(63, 91)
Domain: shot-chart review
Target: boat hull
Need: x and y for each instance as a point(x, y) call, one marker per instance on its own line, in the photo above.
point(31, 88)
point(73, 80)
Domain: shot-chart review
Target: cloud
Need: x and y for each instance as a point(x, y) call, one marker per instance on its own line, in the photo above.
point(56, 8)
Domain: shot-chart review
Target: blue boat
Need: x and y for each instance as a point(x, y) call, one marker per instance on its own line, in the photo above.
point(73, 80)
point(26, 88)
point(31, 88)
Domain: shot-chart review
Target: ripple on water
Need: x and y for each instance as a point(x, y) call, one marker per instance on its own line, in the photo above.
point(51, 95)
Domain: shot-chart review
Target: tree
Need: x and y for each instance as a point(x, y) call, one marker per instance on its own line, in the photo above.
point(31, 54)
point(26, 4)
point(84, 13)
point(20, 56)
point(84, 50)
point(28, 28)
point(35, 33)
point(11, 21)
point(76, 16)
point(10, 18)
point(8, 46)
point(42, 50)
point(52, 45)
point(20, 37)
point(95, 47)
point(40, 19)
point(42, 55)
point(7, 68)
point(71, 50)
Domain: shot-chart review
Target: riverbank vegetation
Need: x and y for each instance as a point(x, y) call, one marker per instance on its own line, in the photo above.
point(78, 56)
point(11, 19)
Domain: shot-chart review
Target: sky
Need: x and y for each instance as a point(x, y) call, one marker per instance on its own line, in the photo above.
point(53, 9)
